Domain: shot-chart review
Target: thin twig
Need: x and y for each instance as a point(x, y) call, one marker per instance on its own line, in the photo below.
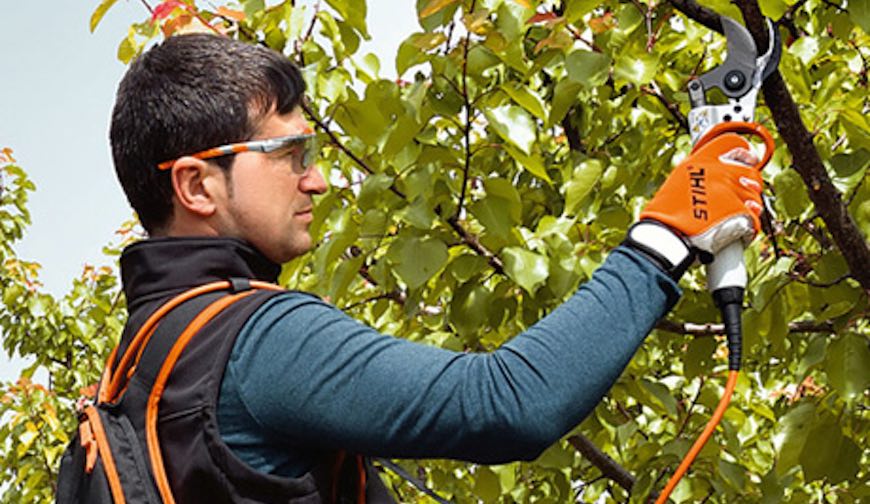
point(824, 285)
point(467, 133)
point(689, 410)
point(711, 329)
point(840, 8)
point(672, 107)
point(147, 6)
point(450, 28)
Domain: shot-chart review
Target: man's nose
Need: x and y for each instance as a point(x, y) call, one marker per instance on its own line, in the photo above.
point(313, 181)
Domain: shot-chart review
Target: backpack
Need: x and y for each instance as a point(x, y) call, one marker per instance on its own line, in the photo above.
point(104, 462)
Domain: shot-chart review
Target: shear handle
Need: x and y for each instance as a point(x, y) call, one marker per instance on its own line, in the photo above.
point(745, 128)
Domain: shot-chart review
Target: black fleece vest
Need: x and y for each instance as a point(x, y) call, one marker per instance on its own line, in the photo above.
point(200, 467)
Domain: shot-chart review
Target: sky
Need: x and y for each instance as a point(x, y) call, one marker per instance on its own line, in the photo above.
point(57, 87)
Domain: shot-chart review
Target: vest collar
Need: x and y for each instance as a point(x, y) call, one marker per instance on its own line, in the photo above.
point(162, 266)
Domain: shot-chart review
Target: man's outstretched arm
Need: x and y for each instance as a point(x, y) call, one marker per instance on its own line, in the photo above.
point(313, 377)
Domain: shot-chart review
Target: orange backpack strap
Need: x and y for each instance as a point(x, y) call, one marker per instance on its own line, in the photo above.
point(151, 412)
point(114, 379)
point(93, 439)
point(199, 306)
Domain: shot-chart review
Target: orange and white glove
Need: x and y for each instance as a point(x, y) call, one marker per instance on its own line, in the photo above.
point(710, 200)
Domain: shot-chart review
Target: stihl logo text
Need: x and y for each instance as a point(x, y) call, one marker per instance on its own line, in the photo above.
point(698, 188)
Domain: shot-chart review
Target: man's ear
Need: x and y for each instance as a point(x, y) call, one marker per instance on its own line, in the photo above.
point(198, 186)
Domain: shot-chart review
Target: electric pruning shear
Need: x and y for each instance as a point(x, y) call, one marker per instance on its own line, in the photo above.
point(739, 78)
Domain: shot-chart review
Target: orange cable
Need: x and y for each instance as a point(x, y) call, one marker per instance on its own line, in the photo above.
point(702, 440)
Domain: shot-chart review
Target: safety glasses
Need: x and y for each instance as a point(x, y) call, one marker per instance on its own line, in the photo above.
point(305, 141)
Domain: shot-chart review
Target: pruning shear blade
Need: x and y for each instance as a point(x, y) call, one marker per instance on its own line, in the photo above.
point(739, 77)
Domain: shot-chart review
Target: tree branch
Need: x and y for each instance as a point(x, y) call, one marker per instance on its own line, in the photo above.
point(711, 329)
point(672, 107)
point(473, 242)
point(572, 134)
point(608, 467)
point(826, 198)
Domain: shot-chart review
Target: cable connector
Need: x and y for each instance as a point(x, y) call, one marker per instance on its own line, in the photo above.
point(729, 300)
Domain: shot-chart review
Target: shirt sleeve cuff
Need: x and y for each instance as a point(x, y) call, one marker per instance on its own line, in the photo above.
point(662, 246)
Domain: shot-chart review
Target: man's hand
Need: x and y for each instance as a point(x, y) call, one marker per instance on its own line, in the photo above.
point(713, 197)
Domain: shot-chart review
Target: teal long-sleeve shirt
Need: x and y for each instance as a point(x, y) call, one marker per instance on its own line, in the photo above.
point(304, 378)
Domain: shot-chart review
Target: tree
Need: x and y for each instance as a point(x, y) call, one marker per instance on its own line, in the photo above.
point(475, 195)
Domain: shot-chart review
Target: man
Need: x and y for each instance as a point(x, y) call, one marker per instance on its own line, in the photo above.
point(285, 398)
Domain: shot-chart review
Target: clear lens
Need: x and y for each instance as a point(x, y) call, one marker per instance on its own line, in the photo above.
point(310, 151)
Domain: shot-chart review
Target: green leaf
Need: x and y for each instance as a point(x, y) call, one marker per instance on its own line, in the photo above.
point(407, 56)
point(526, 98)
point(661, 395)
point(583, 180)
point(699, 357)
point(464, 267)
point(734, 474)
point(791, 194)
point(419, 259)
point(373, 188)
point(419, 214)
point(860, 13)
point(364, 119)
point(354, 12)
point(528, 269)
point(430, 7)
point(589, 68)
point(806, 49)
point(828, 454)
point(500, 209)
point(253, 7)
point(468, 307)
point(529, 162)
point(487, 485)
point(771, 489)
point(401, 134)
point(848, 366)
point(555, 457)
point(99, 12)
point(514, 125)
point(814, 355)
point(774, 9)
point(794, 428)
point(576, 9)
point(481, 58)
point(127, 49)
point(565, 95)
point(637, 69)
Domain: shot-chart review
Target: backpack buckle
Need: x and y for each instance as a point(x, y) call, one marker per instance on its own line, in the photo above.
point(89, 443)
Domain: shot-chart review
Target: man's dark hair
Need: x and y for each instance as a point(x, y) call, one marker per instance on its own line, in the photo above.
point(191, 93)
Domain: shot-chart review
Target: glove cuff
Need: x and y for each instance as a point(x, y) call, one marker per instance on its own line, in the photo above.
point(662, 246)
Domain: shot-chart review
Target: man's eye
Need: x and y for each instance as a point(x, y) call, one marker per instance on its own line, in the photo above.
point(287, 153)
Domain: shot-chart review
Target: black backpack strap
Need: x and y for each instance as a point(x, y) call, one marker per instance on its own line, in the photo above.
point(165, 335)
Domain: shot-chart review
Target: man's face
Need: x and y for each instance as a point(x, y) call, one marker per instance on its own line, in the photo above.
point(269, 201)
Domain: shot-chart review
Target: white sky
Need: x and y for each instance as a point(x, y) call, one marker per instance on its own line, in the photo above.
point(57, 87)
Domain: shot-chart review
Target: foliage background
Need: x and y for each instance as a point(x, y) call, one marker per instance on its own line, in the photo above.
point(474, 195)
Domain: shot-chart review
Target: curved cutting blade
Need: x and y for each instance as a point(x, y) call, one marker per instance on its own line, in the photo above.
point(736, 74)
